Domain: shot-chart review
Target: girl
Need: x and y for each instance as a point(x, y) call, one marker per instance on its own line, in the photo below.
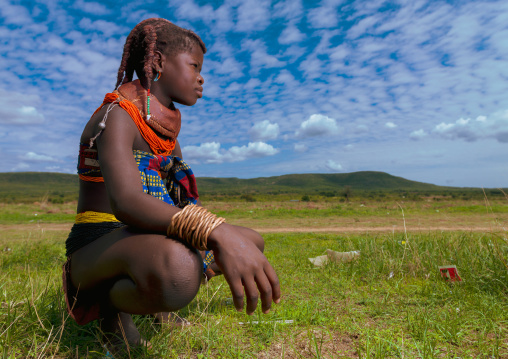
point(134, 248)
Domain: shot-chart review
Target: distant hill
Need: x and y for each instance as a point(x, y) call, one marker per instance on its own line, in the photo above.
point(59, 187)
point(38, 186)
point(300, 183)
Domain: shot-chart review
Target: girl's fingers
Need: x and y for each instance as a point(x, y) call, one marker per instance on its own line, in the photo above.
point(274, 281)
point(264, 284)
point(251, 291)
point(236, 287)
point(265, 291)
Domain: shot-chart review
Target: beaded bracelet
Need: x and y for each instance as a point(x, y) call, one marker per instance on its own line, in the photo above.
point(194, 224)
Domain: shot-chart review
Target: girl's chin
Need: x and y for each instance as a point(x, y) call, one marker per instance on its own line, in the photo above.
point(186, 103)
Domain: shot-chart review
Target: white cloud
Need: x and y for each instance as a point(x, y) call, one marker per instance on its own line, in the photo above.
point(418, 134)
point(223, 19)
point(92, 7)
point(362, 26)
point(252, 150)
point(290, 35)
point(494, 127)
point(253, 15)
point(206, 152)
point(191, 11)
point(264, 130)
point(300, 147)
point(288, 9)
point(19, 109)
point(259, 55)
point(312, 67)
point(323, 17)
point(35, 157)
point(229, 67)
point(318, 125)
point(285, 77)
point(218, 21)
point(333, 166)
point(212, 153)
point(106, 27)
point(390, 125)
point(14, 14)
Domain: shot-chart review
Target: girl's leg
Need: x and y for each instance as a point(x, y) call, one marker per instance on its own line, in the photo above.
point(136, 273)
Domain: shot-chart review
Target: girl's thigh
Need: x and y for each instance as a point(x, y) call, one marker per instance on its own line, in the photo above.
point(151, 261)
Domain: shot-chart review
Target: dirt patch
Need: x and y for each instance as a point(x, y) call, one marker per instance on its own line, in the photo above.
point(313, 343)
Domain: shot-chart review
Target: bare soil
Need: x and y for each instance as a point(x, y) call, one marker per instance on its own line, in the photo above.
point(295, 227)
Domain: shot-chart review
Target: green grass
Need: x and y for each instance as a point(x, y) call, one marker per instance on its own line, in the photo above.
point(298, 212)
point(479, 209)
point(390, 303)
point(39, 213)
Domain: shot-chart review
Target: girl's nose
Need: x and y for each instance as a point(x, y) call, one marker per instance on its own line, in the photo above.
point(201, 80)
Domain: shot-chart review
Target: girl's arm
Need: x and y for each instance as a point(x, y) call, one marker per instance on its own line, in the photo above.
point(122, 178)
point(241, 262)
point(244, 266)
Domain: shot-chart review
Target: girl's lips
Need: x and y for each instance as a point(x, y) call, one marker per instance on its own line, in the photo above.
point(199, 91)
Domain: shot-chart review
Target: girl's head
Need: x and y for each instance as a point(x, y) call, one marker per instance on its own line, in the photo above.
point(145, 40)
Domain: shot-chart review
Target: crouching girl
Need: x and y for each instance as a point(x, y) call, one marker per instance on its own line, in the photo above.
point(135, 246)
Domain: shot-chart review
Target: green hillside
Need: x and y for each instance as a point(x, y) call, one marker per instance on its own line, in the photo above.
point(59, 187)
point(38, 186)
point(301, 183)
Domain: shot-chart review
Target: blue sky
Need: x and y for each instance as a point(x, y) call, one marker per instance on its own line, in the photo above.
point(417, 89)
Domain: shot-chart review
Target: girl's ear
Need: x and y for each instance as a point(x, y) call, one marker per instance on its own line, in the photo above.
point(158, 60)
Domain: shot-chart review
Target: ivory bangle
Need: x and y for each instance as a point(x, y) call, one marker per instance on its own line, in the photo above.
point(194, 224)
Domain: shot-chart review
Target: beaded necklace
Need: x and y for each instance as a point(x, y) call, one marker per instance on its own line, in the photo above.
point(132, 97)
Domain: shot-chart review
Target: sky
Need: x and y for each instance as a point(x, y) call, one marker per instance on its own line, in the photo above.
point(417, 89)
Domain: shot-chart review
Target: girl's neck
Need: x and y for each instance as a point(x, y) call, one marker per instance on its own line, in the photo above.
point(163, 99)
point(165, 120)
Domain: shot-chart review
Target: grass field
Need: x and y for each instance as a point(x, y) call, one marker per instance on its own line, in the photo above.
point(389, 303)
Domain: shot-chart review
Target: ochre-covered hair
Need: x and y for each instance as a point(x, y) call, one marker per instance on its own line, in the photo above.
point(148, 36)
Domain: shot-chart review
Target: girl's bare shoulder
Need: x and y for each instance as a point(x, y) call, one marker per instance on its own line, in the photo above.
point(108, 117)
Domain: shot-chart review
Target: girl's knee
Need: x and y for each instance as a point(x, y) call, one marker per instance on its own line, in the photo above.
point(173, 277)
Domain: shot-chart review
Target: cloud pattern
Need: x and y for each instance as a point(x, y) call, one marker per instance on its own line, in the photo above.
point(211, 152)
point(403, 87)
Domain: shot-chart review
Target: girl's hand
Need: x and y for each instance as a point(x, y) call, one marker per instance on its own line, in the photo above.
point(245, 267)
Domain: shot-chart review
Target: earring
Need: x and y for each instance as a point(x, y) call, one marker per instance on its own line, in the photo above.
point(158, 76)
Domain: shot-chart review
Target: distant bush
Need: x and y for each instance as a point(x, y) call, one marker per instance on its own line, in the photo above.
point(305, 198)
point(248, 198)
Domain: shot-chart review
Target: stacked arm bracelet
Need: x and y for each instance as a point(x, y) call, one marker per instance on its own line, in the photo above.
point(194, 224)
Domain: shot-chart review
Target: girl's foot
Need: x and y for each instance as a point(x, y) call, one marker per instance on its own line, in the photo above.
point(120, 335)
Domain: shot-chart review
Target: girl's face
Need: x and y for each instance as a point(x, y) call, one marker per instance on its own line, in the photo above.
point(181, 79)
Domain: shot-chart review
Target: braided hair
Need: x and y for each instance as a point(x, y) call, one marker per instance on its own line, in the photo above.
point(148, 36)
